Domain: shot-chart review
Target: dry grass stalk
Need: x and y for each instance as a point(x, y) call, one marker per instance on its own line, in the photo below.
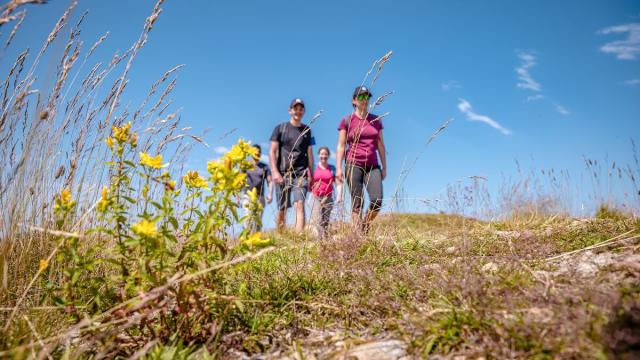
point(20, 16)
point(8, 8)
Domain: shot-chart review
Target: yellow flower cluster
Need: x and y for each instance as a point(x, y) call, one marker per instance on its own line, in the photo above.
point(120, 136)
point(63, 202)
point(105, 201)
point(228, 172)
point(154, 162)
point(194, 180)
point(239, 153)
point(145, 228)
point(255, 206)
point(255, 240)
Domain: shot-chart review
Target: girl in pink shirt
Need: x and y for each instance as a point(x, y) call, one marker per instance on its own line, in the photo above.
point(322, 193)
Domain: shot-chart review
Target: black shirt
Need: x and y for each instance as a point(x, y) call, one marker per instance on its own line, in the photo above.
point(294, 142)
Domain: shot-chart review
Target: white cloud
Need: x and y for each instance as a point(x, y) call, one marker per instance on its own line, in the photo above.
point(264, 158)
point(525, 81)
point(450, 85)
point(562, 110)
point(632, 82)
point(535, 97)
point(465, 107)
point(221, 150)
point(626, 49)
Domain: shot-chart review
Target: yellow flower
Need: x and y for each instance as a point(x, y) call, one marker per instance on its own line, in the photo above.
point(154, 162)
point(109, 142)
point(194, 180)
point(256, 240)
point(104, 201)
point(253, 195)
point(170, 185)
point(236, 154)
point(213, 166)
point(43, 265)
point(145, 228)
point(252, 151)
point(122, 133)
point(65, 196)
point(64, 202)
point(239, 181)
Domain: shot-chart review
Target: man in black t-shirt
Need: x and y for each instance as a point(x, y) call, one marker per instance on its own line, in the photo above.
point(291, 158)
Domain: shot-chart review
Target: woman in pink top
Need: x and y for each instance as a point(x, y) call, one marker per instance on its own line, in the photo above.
point(322, 193)
point(362, 133)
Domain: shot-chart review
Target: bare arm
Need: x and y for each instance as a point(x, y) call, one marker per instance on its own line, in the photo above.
point(273, 158)
point(270, 193)
point(342, 142)
point(383, 155)
point(339, 187)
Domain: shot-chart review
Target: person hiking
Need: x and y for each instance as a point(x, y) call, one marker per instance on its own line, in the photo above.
point(361, 134)
point(291, 158)
point(256, 179)
point(322, 193)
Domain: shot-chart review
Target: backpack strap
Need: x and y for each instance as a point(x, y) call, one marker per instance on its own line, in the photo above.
point(281, 132)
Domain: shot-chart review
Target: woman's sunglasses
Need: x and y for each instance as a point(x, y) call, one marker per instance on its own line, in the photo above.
point(363, 96)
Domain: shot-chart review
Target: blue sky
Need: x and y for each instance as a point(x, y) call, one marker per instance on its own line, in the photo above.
point(545, 83)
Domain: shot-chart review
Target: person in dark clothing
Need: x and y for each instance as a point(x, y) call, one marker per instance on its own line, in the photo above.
point(291, 158)
point(256, 179)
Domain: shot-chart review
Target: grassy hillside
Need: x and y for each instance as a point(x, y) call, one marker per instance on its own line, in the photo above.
point(447, 285)
point(417, 286)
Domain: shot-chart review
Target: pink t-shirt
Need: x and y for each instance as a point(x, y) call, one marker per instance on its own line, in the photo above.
point(362, 139)
point(322, 181)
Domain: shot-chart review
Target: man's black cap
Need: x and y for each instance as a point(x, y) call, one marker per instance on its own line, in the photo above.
point(361, 90)
point(295, 102)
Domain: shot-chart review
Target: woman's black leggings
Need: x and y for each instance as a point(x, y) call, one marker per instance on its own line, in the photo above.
point(358, 177)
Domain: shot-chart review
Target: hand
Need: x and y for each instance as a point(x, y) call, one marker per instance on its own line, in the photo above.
point(339, 177)
point(383, 172)
point(269, 198)
point(277, 178)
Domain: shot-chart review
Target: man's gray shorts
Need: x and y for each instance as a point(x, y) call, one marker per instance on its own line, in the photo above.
point(291, 187)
